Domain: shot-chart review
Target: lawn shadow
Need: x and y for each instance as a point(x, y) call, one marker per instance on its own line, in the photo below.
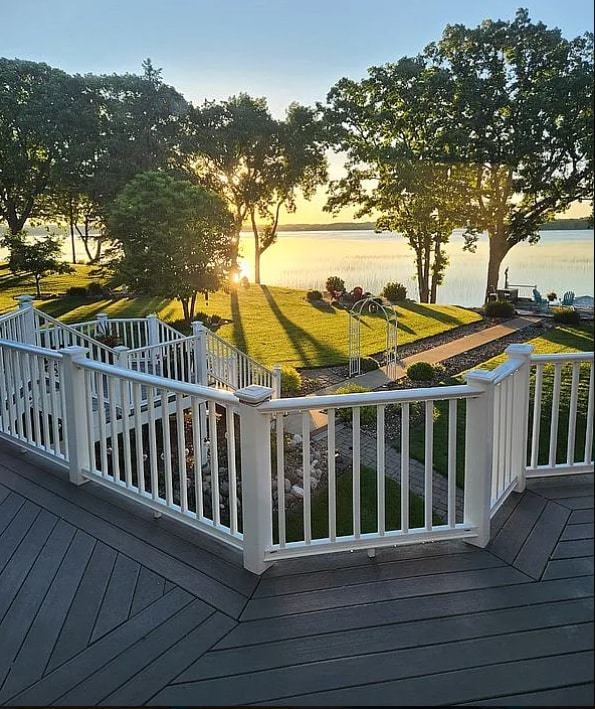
point(323, 306)
point(297, 334)
point(239, 334)
point(422, 309)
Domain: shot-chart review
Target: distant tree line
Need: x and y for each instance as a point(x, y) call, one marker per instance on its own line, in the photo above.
point(489, 129)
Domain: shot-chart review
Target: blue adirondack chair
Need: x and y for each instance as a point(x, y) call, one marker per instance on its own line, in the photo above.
point(541, 302)
point(568, 299)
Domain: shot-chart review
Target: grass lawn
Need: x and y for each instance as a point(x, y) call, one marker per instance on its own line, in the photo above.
point(369, 520)
point(274, 325)
point(561, 339)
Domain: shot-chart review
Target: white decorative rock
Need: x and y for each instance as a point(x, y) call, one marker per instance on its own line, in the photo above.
point(297, 490)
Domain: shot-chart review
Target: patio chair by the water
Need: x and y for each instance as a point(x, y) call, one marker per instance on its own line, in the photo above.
point(541, 302)
point(568, 299)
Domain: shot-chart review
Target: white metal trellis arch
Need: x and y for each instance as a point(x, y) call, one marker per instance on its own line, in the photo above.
point(355, 322)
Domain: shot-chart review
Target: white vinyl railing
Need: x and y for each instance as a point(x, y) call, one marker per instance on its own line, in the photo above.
point(561, 394)
point(33, 399)
point(364, 532)
point(169, 445)
point(221, 461)
point(230, 367)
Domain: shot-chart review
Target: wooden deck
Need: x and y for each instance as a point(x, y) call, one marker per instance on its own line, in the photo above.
point(100, 604)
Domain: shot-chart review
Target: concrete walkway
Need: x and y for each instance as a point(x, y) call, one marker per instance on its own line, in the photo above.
point(377, 379)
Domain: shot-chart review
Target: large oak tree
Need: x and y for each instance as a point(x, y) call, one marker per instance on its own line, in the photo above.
point(522, 119)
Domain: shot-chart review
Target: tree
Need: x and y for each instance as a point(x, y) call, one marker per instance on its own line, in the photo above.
point(37, 259)
point(255, 162)
point(171, 238)
point(46, 119)
point(522, 119)
point(386, 125)
point(138, 121)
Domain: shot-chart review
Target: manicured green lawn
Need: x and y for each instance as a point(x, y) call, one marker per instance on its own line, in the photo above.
point(561, 339)
point(273, 325)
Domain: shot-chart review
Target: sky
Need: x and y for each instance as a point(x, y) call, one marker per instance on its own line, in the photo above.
point(284, 50)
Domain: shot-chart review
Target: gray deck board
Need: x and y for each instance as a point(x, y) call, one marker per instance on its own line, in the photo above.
point(100, 604)
point(570, 549)
point(198, 582)
point(581, 516)
point(322, 676)
point(405, 610)
point(23, 559)
point(118, 596)
point(149, 588)
point(151, 679)
point(534, 554)
point(582, 530)
point(577, 695)
point(22, 611)
point(470, 685)
point(506, 544)
point(381, 591)
point(114, 674)
point(79, 624)
point(9, 507)
point(32, 658)
point(70, 674)
point(382, 638)
point(374, 572)
point(569, 568)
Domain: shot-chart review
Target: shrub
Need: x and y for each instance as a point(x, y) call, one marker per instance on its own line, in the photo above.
point(368, 364)
point(439, 372)
point(499, 309)
point(552, 296)
point(566, 316)
point(291, 381)
point(313, 295)
point(394, 292)
point(421, 372)
point(96, 290)
point(77, 292)
point(367, 413)
point(334, 284)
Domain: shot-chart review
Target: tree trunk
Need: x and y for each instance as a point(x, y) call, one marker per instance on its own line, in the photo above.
point(38, 286)
point(499, 247)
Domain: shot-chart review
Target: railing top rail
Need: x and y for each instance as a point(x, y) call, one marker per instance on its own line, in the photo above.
point(173, 385)
point(224, 342)
point(30, 349)
point(563, 357)
point(165, 343)
point(93, 342)
point(11, 315)
point(400, 396)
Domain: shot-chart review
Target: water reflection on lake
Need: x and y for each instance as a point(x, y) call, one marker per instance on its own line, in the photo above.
point(561, 261)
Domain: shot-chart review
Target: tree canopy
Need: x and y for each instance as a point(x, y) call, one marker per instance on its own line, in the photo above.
point(522, 119)
point(171, 238)
point(237, 149)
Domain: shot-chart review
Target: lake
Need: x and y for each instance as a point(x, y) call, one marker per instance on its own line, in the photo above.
point(561, 261)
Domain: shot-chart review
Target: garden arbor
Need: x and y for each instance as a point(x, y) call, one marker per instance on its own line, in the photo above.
point(371, 305)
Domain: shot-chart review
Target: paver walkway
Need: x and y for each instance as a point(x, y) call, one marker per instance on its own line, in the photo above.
point(376, 380)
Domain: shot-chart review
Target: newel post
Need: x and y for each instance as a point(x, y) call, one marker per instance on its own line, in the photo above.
point(28, 316)
point(479, 447)
point(277, 381)
point(199, 332)
point(520, 411)
point(255, 446)
point(77, 422)
point(152, 329)
point(102, 325)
